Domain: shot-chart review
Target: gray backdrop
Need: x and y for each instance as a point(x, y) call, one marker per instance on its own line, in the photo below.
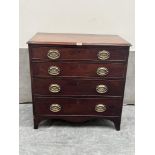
point(25, 84)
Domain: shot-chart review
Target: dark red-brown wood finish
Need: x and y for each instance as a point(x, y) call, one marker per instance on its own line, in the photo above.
point(76, 69)
point(78, 98)
point(77, 87)
point(78, 106)
point(72, 53)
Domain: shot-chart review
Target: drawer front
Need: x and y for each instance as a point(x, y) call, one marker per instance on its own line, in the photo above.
point(74, 106)
point(80, 53)
point(42, 86)
point(54, 69)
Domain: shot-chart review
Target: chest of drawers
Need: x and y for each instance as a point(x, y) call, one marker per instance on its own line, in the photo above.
point(77, 77)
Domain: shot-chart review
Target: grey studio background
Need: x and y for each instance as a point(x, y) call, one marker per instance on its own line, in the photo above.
point(98, 137)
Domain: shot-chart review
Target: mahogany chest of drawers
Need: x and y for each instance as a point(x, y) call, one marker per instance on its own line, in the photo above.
point(78, 77)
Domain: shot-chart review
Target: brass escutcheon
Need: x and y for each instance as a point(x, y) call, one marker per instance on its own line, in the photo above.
point(103, 55)
point(53, 54)
point(100, 108)
point(55, 107)
point(54, 88)
point(101, 89)
point(102, 71)
point(54, 70)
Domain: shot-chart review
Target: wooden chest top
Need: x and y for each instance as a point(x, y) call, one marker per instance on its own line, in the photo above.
point(77, 39)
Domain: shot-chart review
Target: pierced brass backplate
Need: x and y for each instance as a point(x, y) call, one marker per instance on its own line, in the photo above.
point(54, 70)
point(53, 54)
point(101, 89)
point(100, 108)
point(55, 108)
point(102, 71)
point(103, 55)
point(54, 88)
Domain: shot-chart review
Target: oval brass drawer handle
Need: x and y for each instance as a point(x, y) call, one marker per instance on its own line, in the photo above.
point(100, 108)
point(55, 108)
point(53, 54)
point(54, 88)
point(103, 55)
point(101, 89)
point(102, 71)
point(54, 70)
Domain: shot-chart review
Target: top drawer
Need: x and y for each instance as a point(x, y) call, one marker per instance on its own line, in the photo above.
point(101, 53)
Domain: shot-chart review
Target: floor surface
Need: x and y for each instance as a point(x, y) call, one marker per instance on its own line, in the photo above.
point(97, 137)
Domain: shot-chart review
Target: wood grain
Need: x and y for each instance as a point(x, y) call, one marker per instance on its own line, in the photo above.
point(77, 87)
point(74, 53)
point(77, 39)
point(74, 69)
point(77, 106)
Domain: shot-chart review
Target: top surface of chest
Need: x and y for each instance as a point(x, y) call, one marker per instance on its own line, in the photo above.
point(77, 39)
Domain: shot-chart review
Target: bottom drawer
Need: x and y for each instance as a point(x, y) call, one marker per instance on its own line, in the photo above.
point(78, 106)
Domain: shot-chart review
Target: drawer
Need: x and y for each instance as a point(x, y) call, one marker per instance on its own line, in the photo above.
point(65, 69)
point(68, 87)
point(103, 53)
point(76, 106)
